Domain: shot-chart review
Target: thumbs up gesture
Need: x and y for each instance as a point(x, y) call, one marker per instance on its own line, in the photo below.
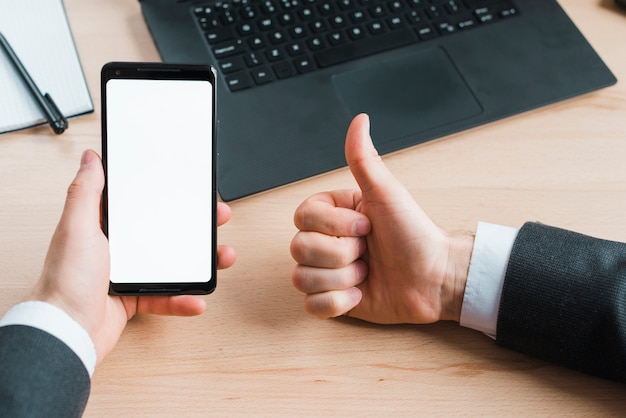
point(373, 253)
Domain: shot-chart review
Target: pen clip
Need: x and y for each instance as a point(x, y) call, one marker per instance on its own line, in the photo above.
point(59, 122)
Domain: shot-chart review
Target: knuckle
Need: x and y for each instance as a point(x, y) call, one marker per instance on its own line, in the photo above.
point(298, 217)
point(302, 214)
point(314, 309)
point(343, 252)
point(322, 306)
point(298, 248)
point(74, 188)
point(300, 279)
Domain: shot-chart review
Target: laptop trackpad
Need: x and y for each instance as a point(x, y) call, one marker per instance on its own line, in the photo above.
point(408, 94)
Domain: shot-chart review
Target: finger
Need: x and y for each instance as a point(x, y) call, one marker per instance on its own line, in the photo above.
point(226, 256)
point(366, 166)
point(332, 304)
point(224, 213)
point(315, 280)
point(186, 305)
point(332, 213)
point(320, 250)
point(82, 204)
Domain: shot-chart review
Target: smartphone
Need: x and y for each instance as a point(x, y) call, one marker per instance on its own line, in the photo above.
point(159, 200)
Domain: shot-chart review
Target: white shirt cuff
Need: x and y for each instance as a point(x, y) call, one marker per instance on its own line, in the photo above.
point(490, 258)
point(56, 322)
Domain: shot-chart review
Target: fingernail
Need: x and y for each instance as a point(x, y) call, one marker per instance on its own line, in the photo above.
point(361, 271)
point(362, 246)
point(355, 294)
point(86, 158)
point(361, 227)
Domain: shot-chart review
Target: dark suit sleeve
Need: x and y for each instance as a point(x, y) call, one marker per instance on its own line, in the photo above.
point(564, 300)
point(39, 375)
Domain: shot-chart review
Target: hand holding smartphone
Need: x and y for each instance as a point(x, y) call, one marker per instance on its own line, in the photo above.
point(159, 201)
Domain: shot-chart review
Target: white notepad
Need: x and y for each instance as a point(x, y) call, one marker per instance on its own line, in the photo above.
point(40, 35)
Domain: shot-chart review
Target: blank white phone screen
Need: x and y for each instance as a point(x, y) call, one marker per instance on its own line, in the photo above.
point(159, 180)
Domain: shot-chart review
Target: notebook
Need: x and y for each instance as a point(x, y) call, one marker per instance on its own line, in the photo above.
point(293, 73)
point(40, 35)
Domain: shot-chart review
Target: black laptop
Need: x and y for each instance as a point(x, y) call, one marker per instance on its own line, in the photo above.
point(293, 73)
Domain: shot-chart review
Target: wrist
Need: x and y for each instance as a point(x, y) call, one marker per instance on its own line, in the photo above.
point(45, 293)
point(459, 254)
point(55, 321)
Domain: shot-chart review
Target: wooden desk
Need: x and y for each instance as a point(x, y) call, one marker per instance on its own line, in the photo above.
point(255, 352)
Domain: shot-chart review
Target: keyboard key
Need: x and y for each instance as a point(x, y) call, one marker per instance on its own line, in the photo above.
point(326, 8)
point(275, 54)
point(220, 34)
point(266, 24)
point(338, 21)
point(295, 49)
point(375, 28)
point(268, 7)
point(298, 32)
point(207, 24)
point(466, 23)
point(304, 65)
point(231, 65)
point(277, 37)
point(315, 43)
point(256, 42)
point(434, 12)
point(227, 18)
point(248, 12)
point(239, 81)
point(286, 19)
point(415, 17)
point(484, 14)
point(252, 59)
point(508, 12)
point(453, 6)
point(395, 22)
point(426, 32)
point(202, 11)
point(318, 26)
point(356, 33)
point(357, 16)
point(283, 69)
point(244, 29)
point(262, 75)
point(486, 18)
point(396, 7)
point(377, 11)
point(228, 48)
point(306, 13)
point(346, 4)
point(445, 28)
point(336, 38)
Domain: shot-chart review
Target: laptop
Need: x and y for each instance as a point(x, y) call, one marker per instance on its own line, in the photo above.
point(293, 73)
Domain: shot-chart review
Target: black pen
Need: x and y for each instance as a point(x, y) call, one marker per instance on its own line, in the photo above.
point(55, 118)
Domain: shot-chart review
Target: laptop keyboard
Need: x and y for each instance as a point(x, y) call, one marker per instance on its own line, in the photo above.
point(262, 41)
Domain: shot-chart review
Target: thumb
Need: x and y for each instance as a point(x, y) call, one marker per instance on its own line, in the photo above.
point(82, 204)
point(366, 166)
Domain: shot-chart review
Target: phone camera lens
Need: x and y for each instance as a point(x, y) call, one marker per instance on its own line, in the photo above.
point(118, 72)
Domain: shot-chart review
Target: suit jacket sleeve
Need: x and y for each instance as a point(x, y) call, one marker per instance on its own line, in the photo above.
point(40, 375)
point(564, 300)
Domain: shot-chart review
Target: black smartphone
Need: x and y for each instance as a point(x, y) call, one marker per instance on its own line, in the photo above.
point(159, 200)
